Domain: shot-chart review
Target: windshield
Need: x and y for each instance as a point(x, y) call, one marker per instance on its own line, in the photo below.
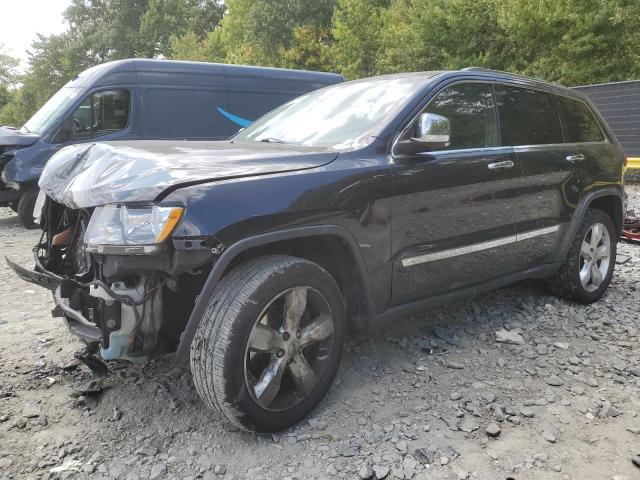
point(341, 116)
point(48, 115)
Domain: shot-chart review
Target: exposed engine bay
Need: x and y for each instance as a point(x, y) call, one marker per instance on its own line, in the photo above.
point(124, 307)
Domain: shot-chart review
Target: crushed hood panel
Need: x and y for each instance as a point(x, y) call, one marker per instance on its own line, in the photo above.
point(88, 175)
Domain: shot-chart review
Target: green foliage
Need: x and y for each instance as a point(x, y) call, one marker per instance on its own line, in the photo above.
point(166, 19)
point(265, 32)
point(572, 41)
point(358, 29)
point(310, 49)
point(568, 41)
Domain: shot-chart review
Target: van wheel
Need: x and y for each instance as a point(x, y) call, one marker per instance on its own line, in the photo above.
point(269, 343)
point(26, 204)
point(586, 274)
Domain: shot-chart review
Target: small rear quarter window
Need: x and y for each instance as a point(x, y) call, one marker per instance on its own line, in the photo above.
point(578, 123)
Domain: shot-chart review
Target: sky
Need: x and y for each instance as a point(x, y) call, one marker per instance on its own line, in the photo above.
point(22, 19)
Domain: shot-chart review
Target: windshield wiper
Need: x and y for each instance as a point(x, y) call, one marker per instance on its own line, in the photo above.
point(272, 140)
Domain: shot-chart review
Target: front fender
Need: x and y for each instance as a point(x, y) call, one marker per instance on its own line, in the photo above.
point(221, 264)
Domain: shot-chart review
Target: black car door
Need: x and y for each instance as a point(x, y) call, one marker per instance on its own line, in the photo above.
point(531, 125)
point(452, 216)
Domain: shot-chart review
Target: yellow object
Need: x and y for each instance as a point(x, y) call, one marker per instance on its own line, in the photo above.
point(172, 221)
point(633, 163)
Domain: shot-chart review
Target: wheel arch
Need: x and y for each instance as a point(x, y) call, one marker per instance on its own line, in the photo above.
point(331, 246)
point(609, 199)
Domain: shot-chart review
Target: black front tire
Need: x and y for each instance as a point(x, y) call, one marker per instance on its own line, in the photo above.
point(26, 204)
point(567, 283)
point(219, 349)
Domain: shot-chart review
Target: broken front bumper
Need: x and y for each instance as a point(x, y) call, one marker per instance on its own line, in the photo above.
point(125, 320)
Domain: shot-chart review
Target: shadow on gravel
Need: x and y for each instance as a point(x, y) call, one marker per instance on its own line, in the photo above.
point(10, 222)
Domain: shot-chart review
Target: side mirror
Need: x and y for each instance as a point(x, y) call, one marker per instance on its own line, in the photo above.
point(433, 132)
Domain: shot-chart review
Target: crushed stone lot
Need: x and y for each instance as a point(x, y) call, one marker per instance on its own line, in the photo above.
point(515, 384)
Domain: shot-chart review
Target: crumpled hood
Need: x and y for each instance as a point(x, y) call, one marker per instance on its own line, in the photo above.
point(88, 175)
point(9, 136)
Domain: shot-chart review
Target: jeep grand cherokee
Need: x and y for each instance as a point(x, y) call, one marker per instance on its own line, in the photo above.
point(349, 206)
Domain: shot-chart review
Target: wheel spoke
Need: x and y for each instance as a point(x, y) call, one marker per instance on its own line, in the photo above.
point(596, 276)
point(586, 249)
point(295, 303)
point(603, 251)
point(268, 385)
point(302, 374)
point(596, 235)
point(319, 329)
point(265, 339)
point(585, 273)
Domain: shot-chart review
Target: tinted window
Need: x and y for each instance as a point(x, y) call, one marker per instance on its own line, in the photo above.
point(471, 113)
point(527, 117)
point(101, 113)
point(186, 113)
point(578, 123)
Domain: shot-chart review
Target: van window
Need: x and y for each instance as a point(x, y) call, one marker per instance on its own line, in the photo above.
point(185, 114)
point(471, 113)
point(527, 117)
point(101, 113)
point(578, 123)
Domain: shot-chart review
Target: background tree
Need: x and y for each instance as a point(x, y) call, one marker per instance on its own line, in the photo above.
point(8, 77)
point(571, 41)
point(165, 19)
point(358, 26)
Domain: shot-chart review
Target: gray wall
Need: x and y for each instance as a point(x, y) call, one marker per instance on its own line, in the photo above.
point(619, 104)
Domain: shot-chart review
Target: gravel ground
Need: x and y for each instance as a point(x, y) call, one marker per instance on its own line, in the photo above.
point(435, 396)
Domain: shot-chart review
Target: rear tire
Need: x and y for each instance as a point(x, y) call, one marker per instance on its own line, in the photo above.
point(253, 363)
point(26, 204)
point(586, 274)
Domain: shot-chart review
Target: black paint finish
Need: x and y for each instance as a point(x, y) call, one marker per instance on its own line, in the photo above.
point(386, 207)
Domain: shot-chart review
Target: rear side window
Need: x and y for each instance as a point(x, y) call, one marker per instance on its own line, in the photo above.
point(578, 122)
point(471, 113)
point(101, 113)
point(527, 117)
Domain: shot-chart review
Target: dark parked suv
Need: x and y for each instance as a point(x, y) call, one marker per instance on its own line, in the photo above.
point(350, 206)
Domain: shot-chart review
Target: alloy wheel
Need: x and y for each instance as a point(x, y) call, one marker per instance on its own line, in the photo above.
point(289, 348)
point(595, 257)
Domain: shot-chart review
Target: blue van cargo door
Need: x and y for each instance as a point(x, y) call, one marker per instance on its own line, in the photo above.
point(185, 113)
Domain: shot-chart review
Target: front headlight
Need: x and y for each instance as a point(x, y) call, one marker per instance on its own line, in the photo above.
point(130, 229)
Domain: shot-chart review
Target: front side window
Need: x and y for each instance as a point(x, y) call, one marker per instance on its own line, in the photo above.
point(101, 113)
point(470, 110)
point(527, 117)
point(578, 123)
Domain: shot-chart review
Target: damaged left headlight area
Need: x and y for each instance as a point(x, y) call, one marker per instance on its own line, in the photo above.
point(117, 282)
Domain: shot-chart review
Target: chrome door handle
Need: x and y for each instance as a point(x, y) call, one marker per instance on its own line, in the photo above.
point(499, 165)
point(575, 158)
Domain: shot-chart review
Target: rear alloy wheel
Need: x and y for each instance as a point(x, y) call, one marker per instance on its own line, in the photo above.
point(595, 257)
point(586, 274)
point(270, 342)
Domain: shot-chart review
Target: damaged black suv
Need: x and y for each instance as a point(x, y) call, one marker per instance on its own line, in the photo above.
point(347, 207)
